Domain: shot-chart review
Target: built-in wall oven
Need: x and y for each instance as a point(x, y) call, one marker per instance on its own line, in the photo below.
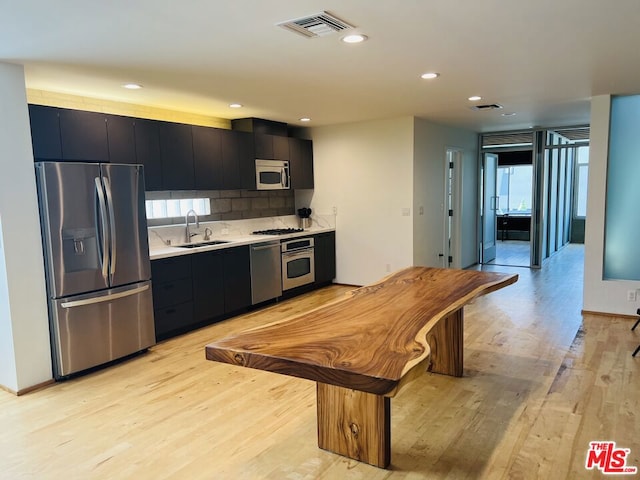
point(297, 262)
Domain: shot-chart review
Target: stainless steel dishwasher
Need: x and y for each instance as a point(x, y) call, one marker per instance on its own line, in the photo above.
point(266, 271)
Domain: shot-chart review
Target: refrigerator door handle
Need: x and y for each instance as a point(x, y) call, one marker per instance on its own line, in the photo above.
point(103, 246)
point(112, 225)
point(105, 298)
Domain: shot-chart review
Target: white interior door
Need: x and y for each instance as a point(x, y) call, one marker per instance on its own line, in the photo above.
point(489, 206)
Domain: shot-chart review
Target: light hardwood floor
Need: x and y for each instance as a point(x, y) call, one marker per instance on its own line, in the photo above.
point(514, 253)
point(539, 383)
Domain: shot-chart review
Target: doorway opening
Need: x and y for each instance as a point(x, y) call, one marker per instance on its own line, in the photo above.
point(533, 194)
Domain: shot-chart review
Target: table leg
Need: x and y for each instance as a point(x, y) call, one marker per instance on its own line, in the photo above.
point(354, 424)
point(445, 340)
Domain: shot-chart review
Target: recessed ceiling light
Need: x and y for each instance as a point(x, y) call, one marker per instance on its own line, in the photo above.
point(132, 86)
point(429, 75)
point(305, 119)
point(235, 105)
point(511, 114)
point(475, 98)
point(354, 38)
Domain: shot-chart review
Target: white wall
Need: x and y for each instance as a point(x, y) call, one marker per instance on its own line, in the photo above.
point(365, 170)
point(608, 296)
point(431, 143)
point(25, 358)
point(8, 373)
point(469, 242)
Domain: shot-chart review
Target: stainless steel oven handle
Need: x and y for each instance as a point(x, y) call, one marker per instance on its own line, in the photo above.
point(302, 251)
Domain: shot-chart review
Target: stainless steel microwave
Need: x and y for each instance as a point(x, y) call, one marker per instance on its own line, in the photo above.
point(272, 175)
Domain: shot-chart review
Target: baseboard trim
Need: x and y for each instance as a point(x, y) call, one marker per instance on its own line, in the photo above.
point(606, 314)
point(24, 391)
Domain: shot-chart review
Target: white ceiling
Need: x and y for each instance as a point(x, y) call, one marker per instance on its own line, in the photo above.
point(541, 59)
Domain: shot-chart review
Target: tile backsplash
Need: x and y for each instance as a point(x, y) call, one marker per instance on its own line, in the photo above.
point(162, 236)
point(231, 204)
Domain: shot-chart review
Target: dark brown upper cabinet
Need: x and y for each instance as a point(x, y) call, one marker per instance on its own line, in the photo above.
point(238, 160)
point(121, 138)
point(45, 132)
point(175, 156)
point(176, 153)
point(301, 163)
point(271, 147)
point(207, 158)
point(83, 136)
point(270, 138)
point(147, 142)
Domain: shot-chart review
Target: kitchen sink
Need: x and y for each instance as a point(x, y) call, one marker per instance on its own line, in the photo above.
point(202, 244)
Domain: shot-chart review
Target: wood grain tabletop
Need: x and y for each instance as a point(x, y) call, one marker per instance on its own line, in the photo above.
point(366, 341)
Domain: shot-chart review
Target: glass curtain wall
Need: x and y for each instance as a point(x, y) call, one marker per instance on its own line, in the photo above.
point(559, 160)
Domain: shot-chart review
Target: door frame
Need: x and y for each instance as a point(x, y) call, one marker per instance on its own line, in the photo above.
point(488, 204)
point(452, 200)
point(538, 198)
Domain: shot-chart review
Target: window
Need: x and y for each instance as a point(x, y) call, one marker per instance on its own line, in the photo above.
point(177, 208)
point(582, 173)
point(514, 189)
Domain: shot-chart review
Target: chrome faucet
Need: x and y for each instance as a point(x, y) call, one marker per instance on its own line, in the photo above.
point(187, 233)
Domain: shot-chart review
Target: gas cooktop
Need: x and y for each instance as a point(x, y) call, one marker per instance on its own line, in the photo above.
point(278, 231)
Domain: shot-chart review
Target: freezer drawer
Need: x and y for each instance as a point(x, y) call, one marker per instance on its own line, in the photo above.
point(92, 329)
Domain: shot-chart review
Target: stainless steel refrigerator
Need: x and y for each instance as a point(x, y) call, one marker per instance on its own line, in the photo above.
point(97, 262)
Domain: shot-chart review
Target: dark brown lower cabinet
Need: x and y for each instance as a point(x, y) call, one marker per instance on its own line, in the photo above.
point(208, 285)
point(172, 295)
point(237, 279)
point(325, 257)
point(193, 290)
point(173, 320)
point(190, 291)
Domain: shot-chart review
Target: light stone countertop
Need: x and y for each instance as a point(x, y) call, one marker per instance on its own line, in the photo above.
point(159, 252)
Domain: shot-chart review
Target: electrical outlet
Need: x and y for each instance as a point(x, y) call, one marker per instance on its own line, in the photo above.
point(388, 267)
point(225, 231)
point(631, 296)
point(335, 210)
point(421, 210)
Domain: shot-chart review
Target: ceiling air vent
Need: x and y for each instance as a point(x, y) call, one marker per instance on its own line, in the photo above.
point(490, 106)
point(317, 25)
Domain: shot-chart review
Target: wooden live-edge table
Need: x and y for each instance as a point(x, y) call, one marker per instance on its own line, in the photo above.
point(360, 350)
